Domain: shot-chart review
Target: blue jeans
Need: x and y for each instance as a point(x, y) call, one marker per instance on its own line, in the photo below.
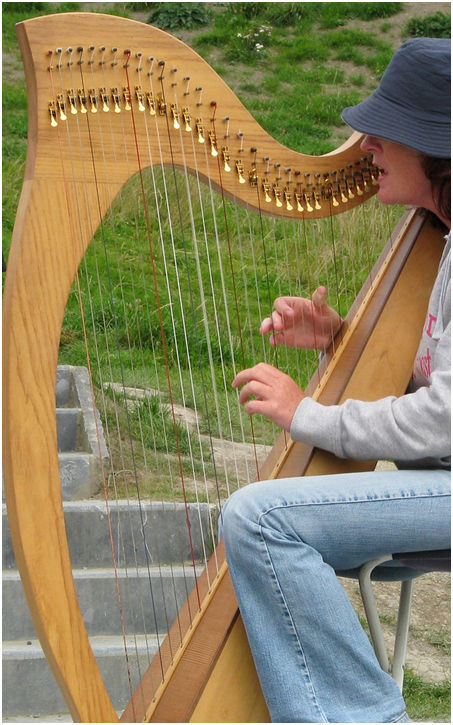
point(284, 540)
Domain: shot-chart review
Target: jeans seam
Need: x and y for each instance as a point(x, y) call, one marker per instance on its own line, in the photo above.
point(400, 719)
point(301, 649)
point(350, 501)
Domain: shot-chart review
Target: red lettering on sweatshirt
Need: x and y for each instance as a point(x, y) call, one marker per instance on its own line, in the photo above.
point(430, 321)
point(424, 364)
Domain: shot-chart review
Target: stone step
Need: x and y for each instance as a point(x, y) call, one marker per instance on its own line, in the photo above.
point(68, 430)
point(80, 437)
point(143, 534)
point(38, 695)
point(150, 599)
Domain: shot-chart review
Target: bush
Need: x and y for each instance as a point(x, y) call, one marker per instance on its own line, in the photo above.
point(139, 7)
point(175, 16)
point(437, 25)
point(371, 11)
point(284, 14)
point(249, 11)
point(24, 8)
point(338, 14)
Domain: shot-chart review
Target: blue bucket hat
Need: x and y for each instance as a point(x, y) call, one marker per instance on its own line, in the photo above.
point(412, 104)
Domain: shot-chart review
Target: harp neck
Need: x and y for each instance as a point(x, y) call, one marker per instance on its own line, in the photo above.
point(110, 97)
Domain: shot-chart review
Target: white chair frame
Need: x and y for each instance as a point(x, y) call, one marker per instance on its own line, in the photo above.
point(396, 667)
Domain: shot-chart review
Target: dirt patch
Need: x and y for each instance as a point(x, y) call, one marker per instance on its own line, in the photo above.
point(428, 651)
point(396, 24)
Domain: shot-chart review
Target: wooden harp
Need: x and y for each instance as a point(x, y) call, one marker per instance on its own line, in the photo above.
point(108, 99)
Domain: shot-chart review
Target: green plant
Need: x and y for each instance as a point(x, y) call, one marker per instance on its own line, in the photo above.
point(427, 702)
point(247, 10)
point(285, 14)
point(250, 44)
point(437, 25)
point(40, 8)
point(338, 14)
point(358, 80)
point(440, 639)
point(373, 11)
point(174, 16)
point(139, 7)
point(25, 8)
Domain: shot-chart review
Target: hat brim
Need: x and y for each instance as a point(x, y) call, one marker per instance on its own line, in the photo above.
point(377, 116)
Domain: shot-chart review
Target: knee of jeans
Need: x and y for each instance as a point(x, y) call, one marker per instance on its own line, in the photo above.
point(238, 517)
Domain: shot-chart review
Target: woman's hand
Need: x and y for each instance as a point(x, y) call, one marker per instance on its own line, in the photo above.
point(269, 392)
point(299, 322)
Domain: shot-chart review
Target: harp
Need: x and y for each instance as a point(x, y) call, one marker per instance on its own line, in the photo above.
point(108, 99)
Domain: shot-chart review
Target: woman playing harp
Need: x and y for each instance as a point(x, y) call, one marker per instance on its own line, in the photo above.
point(285, 539)
point(118, 126)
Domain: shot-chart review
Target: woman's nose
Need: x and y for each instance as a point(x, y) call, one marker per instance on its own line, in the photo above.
point(369, 144)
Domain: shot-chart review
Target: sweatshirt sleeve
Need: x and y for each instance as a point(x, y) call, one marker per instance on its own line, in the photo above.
point(410, 428)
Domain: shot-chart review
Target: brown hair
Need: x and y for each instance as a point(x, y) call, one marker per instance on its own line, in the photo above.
point(438, 171)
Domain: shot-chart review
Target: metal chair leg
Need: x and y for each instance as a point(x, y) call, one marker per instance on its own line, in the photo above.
point(402, 631)
point(371, 611)
point(396, 668)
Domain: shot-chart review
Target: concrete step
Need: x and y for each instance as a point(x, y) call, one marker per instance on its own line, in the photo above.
point(24, 662)
point(80, 436)
point(150, 600)
point(143, 534)
point(63, 717)
point(151, 595)
point(68, 429)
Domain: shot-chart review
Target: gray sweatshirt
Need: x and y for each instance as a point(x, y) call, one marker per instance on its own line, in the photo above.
point(414, 429)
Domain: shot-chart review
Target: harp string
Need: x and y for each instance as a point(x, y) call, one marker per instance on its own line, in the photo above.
point(212, 264)
point(181, 304)
point(162, 331)
point(191, 297)
point(270, 297)
point(110, 288)
point(67, 190)
point(153, 589)
point(241, 333)
point(192, 153)
point(235, 303)
point(142, 514)
point(304, 288)
point(249, 268)
point(151, 595)
point(269, 241)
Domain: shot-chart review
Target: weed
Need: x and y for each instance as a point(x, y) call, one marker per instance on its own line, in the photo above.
point(338, 14)
point(358, 80)
point(173, 16)
point(139, 6)
point(373, 11)
point(428, 702)
point(25, 8)
point(440, 639)
point(291, 14)
point(437, 25)
point(385, 27)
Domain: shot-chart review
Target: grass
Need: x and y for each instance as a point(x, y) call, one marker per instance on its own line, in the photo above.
point(205, 327)
point(295, 84)
point(427, 702)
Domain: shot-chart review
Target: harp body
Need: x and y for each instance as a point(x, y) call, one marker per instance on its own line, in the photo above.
point(108, 98)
